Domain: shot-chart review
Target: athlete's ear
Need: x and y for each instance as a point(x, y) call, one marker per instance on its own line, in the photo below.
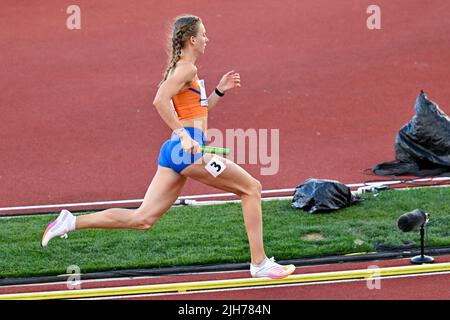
point(192, 39)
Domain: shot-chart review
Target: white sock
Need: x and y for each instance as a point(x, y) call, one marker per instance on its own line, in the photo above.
point(261, 264)
point(72, 222)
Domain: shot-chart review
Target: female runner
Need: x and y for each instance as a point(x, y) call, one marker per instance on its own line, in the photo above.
point(182, 103)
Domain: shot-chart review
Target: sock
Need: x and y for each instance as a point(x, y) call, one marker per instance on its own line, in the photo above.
point(72, 222)
point(261, 264)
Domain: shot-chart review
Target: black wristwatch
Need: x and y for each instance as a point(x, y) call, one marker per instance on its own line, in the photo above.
point(220, 94)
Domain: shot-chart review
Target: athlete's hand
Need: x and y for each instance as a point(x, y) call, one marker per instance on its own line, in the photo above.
point(229, 81)
point(190, 145)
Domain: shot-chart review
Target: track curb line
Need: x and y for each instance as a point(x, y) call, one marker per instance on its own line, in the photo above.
point(233, 283)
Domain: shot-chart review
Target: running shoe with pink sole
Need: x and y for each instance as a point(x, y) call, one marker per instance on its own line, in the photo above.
point(59, 227)
point(270, 269)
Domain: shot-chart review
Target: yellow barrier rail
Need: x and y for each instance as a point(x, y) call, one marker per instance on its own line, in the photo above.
point(231, 283)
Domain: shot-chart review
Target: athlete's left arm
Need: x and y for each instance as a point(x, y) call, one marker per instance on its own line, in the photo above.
point(229, 81)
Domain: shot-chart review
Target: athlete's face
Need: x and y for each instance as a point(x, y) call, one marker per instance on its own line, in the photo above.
point(200, 39)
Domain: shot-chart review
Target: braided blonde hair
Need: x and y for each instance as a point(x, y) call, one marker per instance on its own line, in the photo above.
point(183, 28)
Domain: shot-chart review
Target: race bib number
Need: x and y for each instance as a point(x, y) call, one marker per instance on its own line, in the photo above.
point(215, 166)
point(203, 97)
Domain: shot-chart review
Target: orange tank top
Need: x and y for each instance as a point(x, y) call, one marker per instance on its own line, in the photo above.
point(192, 102)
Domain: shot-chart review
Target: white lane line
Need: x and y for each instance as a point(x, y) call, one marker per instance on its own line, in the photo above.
point(137, 202)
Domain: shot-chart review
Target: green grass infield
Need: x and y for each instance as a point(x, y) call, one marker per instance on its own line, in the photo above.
point(216, 234)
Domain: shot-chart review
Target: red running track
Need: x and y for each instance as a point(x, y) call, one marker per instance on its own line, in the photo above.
point(412, 287)
point(424, 287)
point(77, 122)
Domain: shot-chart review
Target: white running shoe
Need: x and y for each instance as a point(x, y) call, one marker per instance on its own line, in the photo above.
point(270, 269)
point(60, 227)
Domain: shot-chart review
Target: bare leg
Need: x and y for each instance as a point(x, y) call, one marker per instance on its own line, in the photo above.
point(235, 179)
point(164, 189)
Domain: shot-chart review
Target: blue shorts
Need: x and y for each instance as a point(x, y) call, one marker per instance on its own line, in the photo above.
point(172, 154)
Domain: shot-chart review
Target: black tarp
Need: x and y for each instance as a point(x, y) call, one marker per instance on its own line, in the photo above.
point(316, 196)
point(422, 146)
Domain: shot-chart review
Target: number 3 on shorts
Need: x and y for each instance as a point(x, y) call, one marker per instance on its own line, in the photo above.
point(215, 166)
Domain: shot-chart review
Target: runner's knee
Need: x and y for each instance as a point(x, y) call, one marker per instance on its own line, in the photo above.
point(144, 220)
point(141, 224)
point(254, 189)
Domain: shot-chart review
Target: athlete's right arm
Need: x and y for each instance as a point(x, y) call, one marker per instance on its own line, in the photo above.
point(183, 74)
